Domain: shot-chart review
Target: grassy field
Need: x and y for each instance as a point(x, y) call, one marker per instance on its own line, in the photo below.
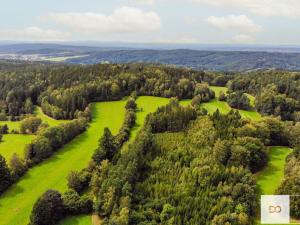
point(269, 179)
point(146, 105)
point(217, 90)
point(17, 202)
point(14, 143)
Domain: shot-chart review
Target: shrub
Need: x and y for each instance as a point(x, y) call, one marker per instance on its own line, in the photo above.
point(5, 176)
point(79, 180)
point(30, 125)
point(48, 209)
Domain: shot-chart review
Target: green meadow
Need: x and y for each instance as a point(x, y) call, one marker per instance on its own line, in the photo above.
point(217, 90)
point(146, 105)
point(17, 202)
point(269, 179)
point(14, 143)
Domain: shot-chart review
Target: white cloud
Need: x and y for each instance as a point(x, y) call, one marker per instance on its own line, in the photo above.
point(284, 8)
point(33, 34)
point(146, 2)
point(122, 20)
point(239, 23)
point(179, 40)
point(243, 39)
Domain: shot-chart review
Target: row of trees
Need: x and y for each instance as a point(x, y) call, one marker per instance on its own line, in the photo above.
point(71, 203)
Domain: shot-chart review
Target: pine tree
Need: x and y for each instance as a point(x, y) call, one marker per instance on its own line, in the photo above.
point(5, 176)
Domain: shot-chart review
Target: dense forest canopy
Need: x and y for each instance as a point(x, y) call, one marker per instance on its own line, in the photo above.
point(184, 166)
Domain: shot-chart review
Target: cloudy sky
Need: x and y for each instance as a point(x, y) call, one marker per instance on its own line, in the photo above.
point(156, 21)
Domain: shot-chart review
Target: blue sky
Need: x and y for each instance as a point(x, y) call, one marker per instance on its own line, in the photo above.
point(157, 21)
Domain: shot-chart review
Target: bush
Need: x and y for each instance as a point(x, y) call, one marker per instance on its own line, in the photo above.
point(238, 100)
point(48, 209)
point(38, 150)
point(5, 176)
point(18, 166)
point(4, 129)
point(79, 180)
point(74, 204)
point(30, 125)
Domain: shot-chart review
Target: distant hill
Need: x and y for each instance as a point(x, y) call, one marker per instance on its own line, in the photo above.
point(220, 58)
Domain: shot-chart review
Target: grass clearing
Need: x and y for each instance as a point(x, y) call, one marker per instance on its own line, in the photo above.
point(16, 204)
point(269, 179)
point(217, 90)
point(14, 143)
point(146, 105)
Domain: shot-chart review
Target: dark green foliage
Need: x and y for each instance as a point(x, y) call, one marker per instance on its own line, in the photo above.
point(38, 150)
point(30, 125)
point(113, 183)
point(4, 129)
point(5, 176)
point(225, 124)
point(222, 96)
point(48, 209)
point(130, 104)
point(78, 181)
point(221, 80)
point(291, 182)
point(107, 147)
point(75, 204)
point(63, 90)
point(204, 93)
point(238, 100)
point(277, 92)
point(172, 117)
point(17, 166)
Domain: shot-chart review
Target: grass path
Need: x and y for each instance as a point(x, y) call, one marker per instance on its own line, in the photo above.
point(148, 104)
point(17, 202)
point(270, 178)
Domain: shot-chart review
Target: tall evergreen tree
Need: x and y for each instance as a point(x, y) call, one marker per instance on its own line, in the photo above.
point(5, 176)
point(107, 147)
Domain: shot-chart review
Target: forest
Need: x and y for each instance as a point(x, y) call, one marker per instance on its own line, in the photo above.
point(179, 163)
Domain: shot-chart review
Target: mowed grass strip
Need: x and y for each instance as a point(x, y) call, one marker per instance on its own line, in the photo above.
point(146, 105)
point(16, 204)
point(269, 179)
